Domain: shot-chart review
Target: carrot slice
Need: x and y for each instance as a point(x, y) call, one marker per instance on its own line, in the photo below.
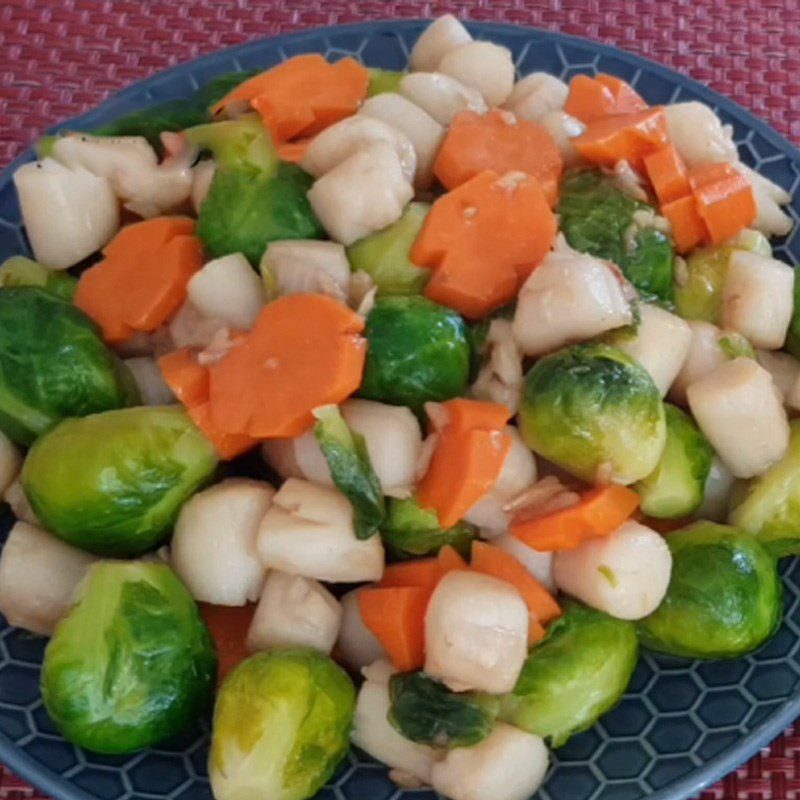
point(498, 563)
point(293, 151)
point(724, 199)
point(483, 239)
point(142, 280)
point(421, 572)
point(668, 174)
point(467, 461)
point(396, 616)
point(591, 99)
point(600, 512)
point(688, 228)
point(450, 560)
point(227, 445)
point(185, 376)
point(303, 352)
point(536, 632)
point(501, 142)
point(303, 95)
point(228, 626)
point(628, 137)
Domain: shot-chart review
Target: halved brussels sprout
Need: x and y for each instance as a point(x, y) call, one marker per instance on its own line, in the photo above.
point(425, 711)
point(244, 212)
point(595, 412)
point(676, 487)
point(724, 598)
point(418, 352)
point(410, 531)
point(769, 505)
point(698, 291)
point(113, 483)
point(599, 218)
point(384, 80)
point(132, 663)
point(570, 679)
point(351, 470)
point(281, 726)
point(242, 145)
point(22, 271)
point(53, 365)
point(384, 255)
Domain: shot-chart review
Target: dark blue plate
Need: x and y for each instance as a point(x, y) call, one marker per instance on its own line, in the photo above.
point(681, 725)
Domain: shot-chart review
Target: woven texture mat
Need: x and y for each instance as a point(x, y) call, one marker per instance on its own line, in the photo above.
point(60, 58)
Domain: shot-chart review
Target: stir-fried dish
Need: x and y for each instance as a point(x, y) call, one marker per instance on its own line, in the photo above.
point(398, 409)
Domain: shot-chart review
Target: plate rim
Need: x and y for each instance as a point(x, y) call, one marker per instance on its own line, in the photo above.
point(54, 785)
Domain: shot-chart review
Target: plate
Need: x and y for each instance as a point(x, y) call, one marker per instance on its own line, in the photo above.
point(681, 726)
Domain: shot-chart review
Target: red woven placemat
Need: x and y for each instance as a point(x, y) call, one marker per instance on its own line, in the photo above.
point(60, 57)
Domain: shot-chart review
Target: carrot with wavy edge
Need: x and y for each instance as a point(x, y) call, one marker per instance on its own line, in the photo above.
point(591, 99)
point(724, 199)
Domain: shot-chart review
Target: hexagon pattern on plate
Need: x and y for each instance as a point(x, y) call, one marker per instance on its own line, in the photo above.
point(681, 724)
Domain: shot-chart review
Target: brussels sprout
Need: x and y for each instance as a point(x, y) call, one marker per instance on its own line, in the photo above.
point(21, 271)
point(425, 711)
point(769, 507)
point(384, 80)
point(410, 531)
point(579, 672)
point(418, 351)
point(724, 598)
point(281, 726)
point(675, 488)
point(593, 410)
point(242, 145)
point(351, 470)
point(113, 483)
point(132, 663)
point(599, 218)
point(243, 213)
point(385, 255)
point(698, 291)
point(53, 365)
point(174, 115)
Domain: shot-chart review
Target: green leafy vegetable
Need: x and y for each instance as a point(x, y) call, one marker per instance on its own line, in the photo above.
point(427, 712)
point(769, 505)
point(599, 218)
point(281, 726)
point(21, 271)
point(113, 483)
point(385, 255)
point(418, 352)
point(132, 663)
point(243, 213)
point(676, 487)
point(384, 80)
point(577, 673)
point(53, 364)
point(351, 470)
point(242, 145)
point(410, 531)
point(724, 597)
point(592, 409)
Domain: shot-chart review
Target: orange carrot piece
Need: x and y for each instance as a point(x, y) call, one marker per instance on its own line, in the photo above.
point(396, 616)
point(304, 351)
point(600, 512)
point(591, 99)
point(467, 461)
point(227, 445)
point(483, 239)
point(293, 151)
point(668, 174)
point(142, 280)
point(500, 142)
point(185, 376)
point(724, 199)
point(628, 137)
point(450, 560)
point(688, 228)
point(536, 632)
point(228, 626)
point(303, 95)
point(498, 563)
point(420, 572)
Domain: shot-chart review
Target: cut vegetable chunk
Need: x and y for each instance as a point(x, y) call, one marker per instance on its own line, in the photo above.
point(591, 99)
point(624, 137)
point(668, 174)
point(724, 199)
point(501, 142)
point(688, 228)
